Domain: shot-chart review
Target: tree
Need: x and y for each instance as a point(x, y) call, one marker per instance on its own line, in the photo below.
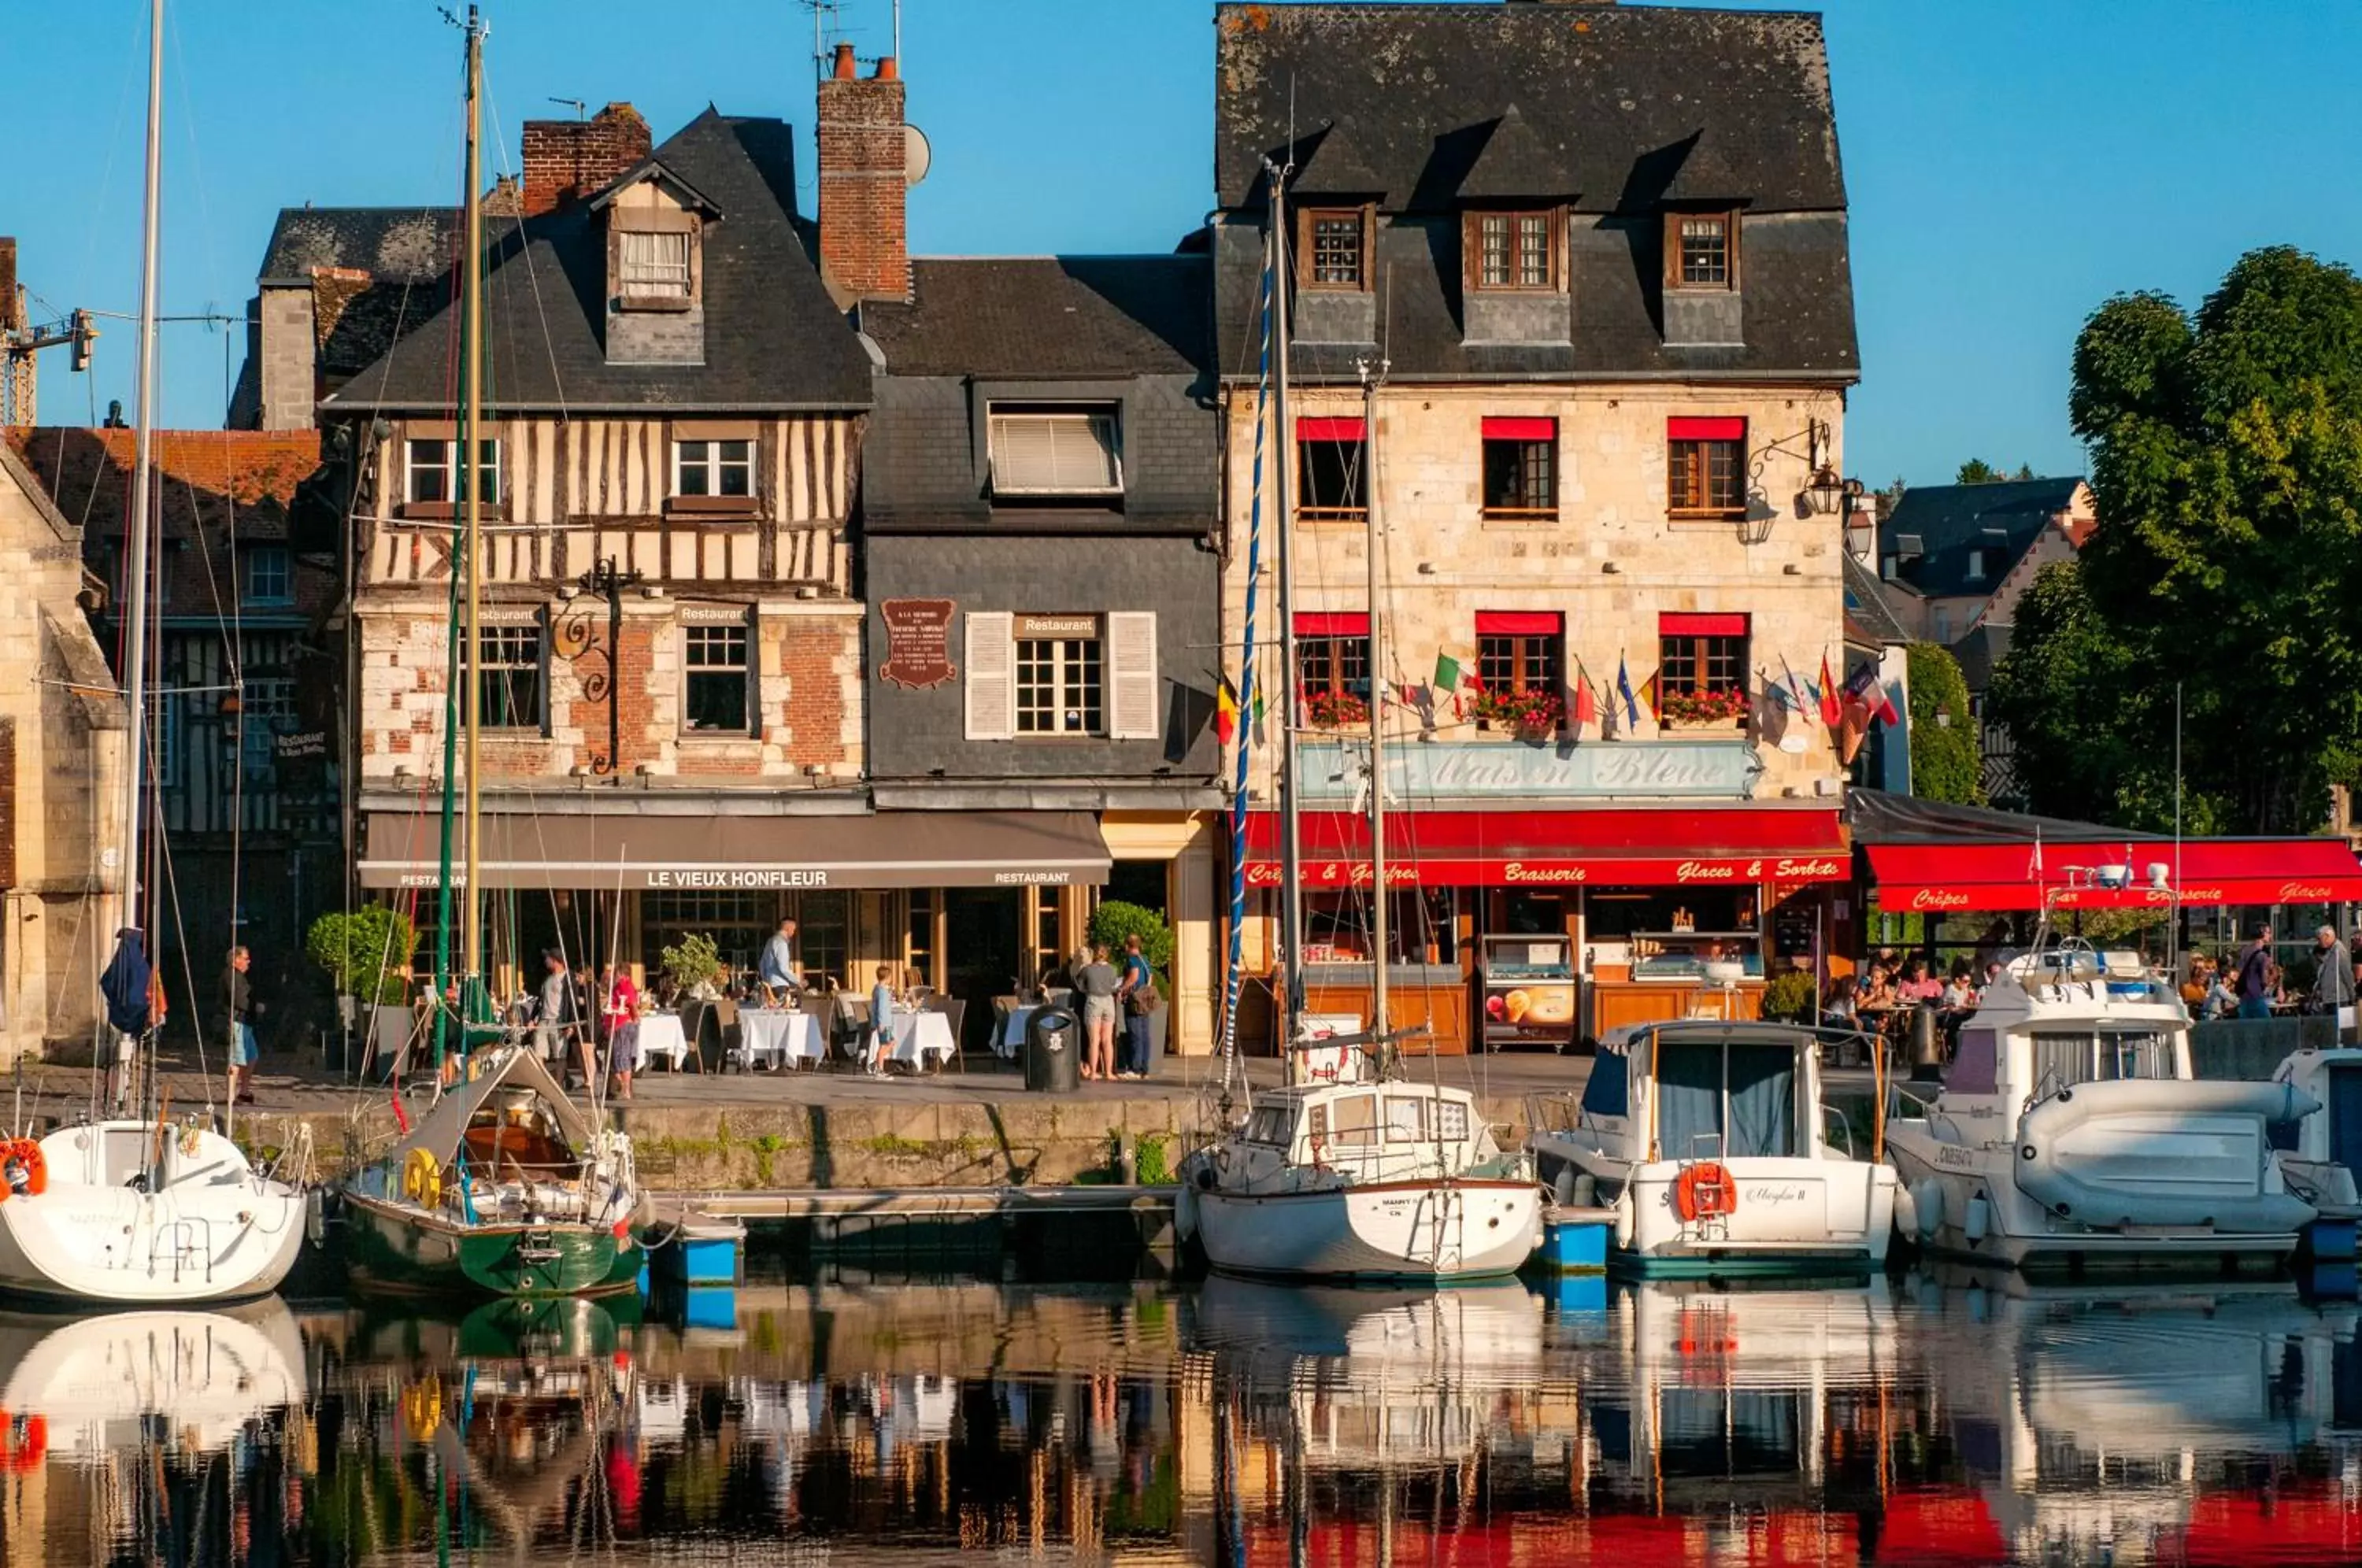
point(1946, 760)
point(2060, 690)
point(1976, 470)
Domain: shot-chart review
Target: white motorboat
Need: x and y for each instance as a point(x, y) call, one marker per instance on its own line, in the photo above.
point(144, 1213)
point(1710, 1142)
point(2319, 1155)
point(96, 1384)
point(2069, 1133)
point(1393, 1181)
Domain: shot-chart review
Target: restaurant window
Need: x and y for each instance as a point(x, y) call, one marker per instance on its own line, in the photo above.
point(509, 676)
point(1520, 651)
point(1332, 667)
point(1055, 451)
point(1419, 925)
point(719, 672)
point(427, 472)
point(926, 903)
point(737, 923)
point(1520, 469)
point(1701, 251)
point(268, 580)
point(1515, 251)
point(1700, 655)
point(266, 707)
point(1332, 470)
point(1705, 469)
point(654, 266)
point(1334, 246)
point(1060, 659)
point(1049, 933)
point(823, 935)
point(713, 470)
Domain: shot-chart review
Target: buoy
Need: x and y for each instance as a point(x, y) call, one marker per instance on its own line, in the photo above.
point(1705, 1191)
point(422, 1179)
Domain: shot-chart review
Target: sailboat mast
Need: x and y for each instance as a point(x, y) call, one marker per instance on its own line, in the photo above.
point(135, 647)
point(1291, 839)
point(1380, 917)
point(470, 467)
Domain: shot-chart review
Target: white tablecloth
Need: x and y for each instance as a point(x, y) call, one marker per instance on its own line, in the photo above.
point(772, 1037)
point(920, 1035)
point(1011, 1041)
point(660, 1035)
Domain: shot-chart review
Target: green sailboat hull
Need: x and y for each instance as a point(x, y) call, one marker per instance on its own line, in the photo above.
point(394, 1247)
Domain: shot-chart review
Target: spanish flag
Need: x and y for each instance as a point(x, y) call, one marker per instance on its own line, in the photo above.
point(1226, 711)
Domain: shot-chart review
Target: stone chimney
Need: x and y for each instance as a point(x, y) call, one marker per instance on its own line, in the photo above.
point(565, 160)
point(865, 246)
point(20, 381)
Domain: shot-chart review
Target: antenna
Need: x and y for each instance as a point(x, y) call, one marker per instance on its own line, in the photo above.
point(581, 110)
point(826, 15)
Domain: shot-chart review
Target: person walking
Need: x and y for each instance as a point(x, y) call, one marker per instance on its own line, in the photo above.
point(558, 1022)
point(1137, 994)
point(619, 1013)
point(881, 1021)
point(1096, 983)
point(2333, 981)
point(781, 971)
point(2255, 986)
point(238, 991)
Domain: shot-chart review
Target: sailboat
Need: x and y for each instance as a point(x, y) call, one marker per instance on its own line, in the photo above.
point(140, 1209)
point(505, 1187)
point(1342, 1176)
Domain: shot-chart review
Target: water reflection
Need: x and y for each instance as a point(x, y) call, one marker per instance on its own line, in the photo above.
point(1935, 1419)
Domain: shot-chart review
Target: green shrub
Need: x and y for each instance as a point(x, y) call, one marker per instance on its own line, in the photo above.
point(367, 953)
point(692, 963)
point(1789, 996)
point(1115, 919)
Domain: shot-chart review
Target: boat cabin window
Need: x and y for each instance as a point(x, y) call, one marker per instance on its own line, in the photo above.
point(1975, 1066)
point(1725, 1099)
point(1272, 1124)
point(1608, 1092)
point(1353, 1121)
point(1406, 1119)
point(2066, 1058)
point(1452, 1121)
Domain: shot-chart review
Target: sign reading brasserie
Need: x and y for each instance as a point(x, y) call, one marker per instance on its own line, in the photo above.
point(918, 641)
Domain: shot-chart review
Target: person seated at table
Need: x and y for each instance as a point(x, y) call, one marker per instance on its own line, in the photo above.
point(881, 1021)
point(1878, 990)
point(1918, 985)
point(1839, 1009)
point(781, 973)
point(1959, 996)
point(2221, 1000)
point(2192, 990)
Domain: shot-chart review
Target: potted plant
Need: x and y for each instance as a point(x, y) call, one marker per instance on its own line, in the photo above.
point(1790, 997)
point(367, 955)
point(1715, 709)
point(695, 968)
point(1114, 921)
point(1530, 715)
point(1335, 709)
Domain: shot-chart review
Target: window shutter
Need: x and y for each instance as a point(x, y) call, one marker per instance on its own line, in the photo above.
point(991, 675)
point(1131, 675)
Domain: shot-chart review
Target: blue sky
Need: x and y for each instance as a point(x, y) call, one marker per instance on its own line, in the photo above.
point(2011, 162)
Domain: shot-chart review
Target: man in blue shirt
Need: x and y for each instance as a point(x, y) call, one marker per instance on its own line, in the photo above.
point(780, 970)
point(881, 1020)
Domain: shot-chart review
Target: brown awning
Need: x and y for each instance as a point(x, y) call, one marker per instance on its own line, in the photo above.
point(728, 854)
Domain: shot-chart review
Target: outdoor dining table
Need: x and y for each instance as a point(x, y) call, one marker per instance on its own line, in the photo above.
point(660, 1035)
point(777, 1037)
point(922, 1035)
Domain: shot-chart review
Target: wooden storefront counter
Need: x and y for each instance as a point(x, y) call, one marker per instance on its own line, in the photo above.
point(1614, 1003)
point(1434, 995)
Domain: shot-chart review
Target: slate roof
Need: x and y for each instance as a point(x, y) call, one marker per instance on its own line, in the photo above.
point(1950, 520)
point(399, 245)
point(1046, 316)
point(773, 337)
point(1985, 647)
point(1866, 606)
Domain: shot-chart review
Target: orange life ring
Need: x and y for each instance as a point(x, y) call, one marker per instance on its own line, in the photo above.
point(23, 1458)
point(1705, 1191)
point(37, 1167)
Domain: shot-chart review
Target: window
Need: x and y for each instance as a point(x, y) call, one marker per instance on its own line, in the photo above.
point(718, 668)
point(1700, 251)
point(654, 266)
point(1705, 469)
point(1451, 1120)
point(267, 579)
point(739, 923)
point(1334, 665)
point(1976, 566)
point(508, 678)
point(1519, 661)
point(1331, 477)
point(1353, 1121)
point(266, 706)
point(1055, 451)
point(1406, 1119)
point(713, 470)
point(1335, 246)
point(922, 947)
point(1700, 652)
point(1520, 469)
point(427, 469)
point(1273, 1125)
point(1515, 251)
point(823, 935)
point(1059, 661)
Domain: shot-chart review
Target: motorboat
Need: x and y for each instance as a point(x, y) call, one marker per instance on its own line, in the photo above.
point(1710, 1141)
point(84, 1387)
point(2069, 1133)
point(143, 1214)
point(1362, 1181)
point(501, 1189)
point(2318, 1155)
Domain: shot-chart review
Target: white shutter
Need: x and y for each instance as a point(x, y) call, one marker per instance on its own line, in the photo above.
point(1131, 675)
point(991, 675)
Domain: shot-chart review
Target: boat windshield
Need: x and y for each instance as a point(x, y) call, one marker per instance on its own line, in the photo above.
point(1722, 1101)
point(2067, 1057)
point(1271, 1124)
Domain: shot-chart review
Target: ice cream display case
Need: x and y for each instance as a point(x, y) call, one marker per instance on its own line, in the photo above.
point(1529, 989)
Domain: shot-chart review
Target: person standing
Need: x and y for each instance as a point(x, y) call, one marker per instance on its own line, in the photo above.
point(238, 991)
point(619, 1011)
point(781, 970)
point(2333, 981)
point(1137, 993)
point(2255, 985)
point(556, 1025)
point(1096, 983)
point(881, 1020)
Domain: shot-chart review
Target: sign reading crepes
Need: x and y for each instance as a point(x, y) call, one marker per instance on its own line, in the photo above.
point(918, 641)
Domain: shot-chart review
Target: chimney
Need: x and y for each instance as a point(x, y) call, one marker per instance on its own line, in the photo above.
point(864, 248)
point(565, 160)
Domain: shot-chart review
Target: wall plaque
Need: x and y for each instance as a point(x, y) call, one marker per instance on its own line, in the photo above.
point(918, 641)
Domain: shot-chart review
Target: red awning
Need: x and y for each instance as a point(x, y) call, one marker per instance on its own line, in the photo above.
point(1330, 428)
point(1693, 428)
point(1332, 623)
point(1712, 624)
point(1519, 428)
point(2008, 876)
point(1519, 622)
point(1726, 846)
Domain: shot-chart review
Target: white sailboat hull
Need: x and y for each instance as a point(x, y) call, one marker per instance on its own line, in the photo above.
point(1432, 1229)
point(212, 1230)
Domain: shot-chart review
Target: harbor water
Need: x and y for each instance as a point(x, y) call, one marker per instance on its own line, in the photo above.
point(850, 1418)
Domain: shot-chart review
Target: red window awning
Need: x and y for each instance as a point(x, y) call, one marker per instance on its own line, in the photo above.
point(1330, 428)
point(1519, 428)
point(1695, 429)
point(1333, 624)
point(1519, 622)
point(1673, 625)
point(1726, 846)
point(2014, 875)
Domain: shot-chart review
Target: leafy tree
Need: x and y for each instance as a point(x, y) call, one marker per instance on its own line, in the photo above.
point(1946, 760)
point(1976, 470)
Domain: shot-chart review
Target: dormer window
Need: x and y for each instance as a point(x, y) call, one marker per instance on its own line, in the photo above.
point(1700, 250)
point(1976, 566)
point(1333, 247)
point(654, 267)
point(1514, 251)
point(1052, 452)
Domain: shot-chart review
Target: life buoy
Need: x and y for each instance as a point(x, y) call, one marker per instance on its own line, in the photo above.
point(422, 1179)
point(20, 1456)
point(23, 1168)
point(1705, 1191)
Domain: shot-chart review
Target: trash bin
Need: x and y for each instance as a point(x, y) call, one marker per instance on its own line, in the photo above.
point(1054, 1052)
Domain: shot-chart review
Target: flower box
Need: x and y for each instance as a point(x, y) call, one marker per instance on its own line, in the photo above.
point(1715, 710)
point(1528, 715)
point(1336, 709)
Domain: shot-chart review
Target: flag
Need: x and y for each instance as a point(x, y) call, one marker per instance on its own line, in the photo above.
point(1832, 712)
point(1652, 697)
point(1447, 672)
point(1624, 691)
point(1226, 711)
point(1887, 714)
point(1791, 694)
point(1258, 731)
point(1860, 684)
point(1586, 711)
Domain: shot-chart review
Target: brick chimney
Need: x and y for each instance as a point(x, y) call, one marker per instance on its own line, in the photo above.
point(865, 246)
point(568, 159)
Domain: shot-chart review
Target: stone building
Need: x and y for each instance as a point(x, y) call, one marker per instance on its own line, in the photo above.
point(1597, 257)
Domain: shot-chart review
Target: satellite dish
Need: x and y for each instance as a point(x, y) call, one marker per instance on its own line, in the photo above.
point(917, 156)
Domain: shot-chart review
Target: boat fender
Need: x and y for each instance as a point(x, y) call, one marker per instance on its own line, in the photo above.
point(1906, 1214)
point(1185, 1212)
point(422, 1179)
point(1927, 1197)
point(1625, 1220)
point(1979, 1215)
point(21, 1455)
point(1562, 1189)
point(316, 1217)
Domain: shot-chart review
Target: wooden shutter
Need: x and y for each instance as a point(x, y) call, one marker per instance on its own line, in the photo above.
point(1131, 675)
point(991, 675)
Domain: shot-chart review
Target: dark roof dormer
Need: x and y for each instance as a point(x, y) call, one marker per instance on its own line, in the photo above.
point(655, 223)
point(1337, 195)
point(1701, 202)
point(1514, 203)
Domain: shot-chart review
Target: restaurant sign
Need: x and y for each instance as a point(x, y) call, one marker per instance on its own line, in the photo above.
point(1594, 870)
point(918, 641)
point(1429, 772)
